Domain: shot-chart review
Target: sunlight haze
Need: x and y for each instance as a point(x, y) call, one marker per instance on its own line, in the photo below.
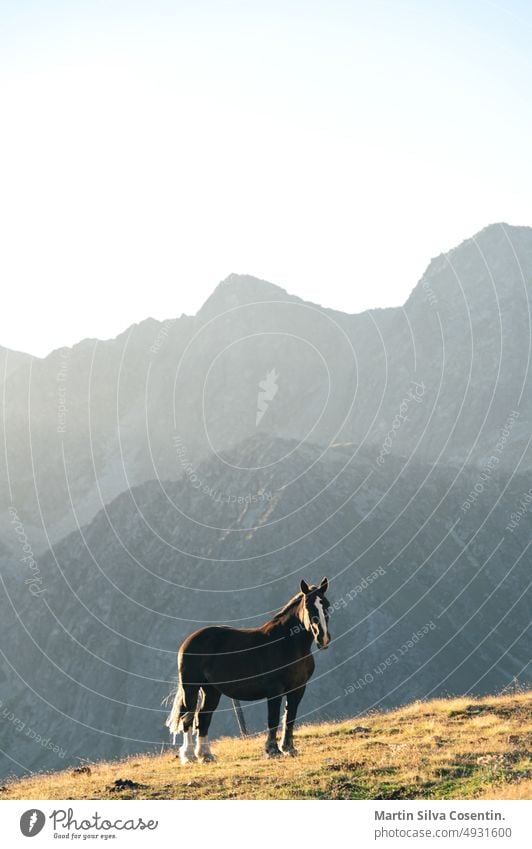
point(148, 150)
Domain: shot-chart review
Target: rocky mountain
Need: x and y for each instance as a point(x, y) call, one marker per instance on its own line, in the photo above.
point(193, 470)
point(86, 423)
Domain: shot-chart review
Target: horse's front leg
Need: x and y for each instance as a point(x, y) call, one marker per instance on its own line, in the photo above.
point(274, 709)
point(292, 703)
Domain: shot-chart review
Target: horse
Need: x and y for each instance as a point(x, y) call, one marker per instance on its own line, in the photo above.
point(269, 662)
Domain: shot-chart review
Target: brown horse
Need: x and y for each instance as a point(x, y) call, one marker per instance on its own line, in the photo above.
point(269, 662)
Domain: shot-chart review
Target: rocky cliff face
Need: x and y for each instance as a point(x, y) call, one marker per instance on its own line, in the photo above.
point(86, 423)
point(193, 470)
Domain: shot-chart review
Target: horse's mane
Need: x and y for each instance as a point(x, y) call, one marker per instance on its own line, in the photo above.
point(288, 610)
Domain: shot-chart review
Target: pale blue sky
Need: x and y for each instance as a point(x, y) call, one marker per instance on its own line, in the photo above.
point(148, 149)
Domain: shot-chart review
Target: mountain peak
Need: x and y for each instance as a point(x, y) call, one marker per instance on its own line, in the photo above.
point(493, 257)
point(493, 236)
point(239, 289)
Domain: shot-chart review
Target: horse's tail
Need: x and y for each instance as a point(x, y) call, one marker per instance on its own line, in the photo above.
point(188, 701)
point(174, 718)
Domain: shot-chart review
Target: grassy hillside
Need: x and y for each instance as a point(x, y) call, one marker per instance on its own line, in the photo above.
point(444, 749)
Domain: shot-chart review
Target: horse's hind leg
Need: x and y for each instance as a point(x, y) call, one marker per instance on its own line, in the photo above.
point(274, 709)
point(191, 693)
point(209, 704)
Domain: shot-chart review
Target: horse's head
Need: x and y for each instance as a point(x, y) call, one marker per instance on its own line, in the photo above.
point(316, 612)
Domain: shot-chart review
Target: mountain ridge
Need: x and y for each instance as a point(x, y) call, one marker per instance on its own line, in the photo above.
point(233, 285)
point(106, 413)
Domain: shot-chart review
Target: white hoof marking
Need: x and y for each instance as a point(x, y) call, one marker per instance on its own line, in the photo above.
point(186, 752)
point(203, 749)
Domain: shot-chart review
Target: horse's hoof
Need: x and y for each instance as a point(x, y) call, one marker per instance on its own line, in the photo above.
point(187, 758)
point(272, 753)
point(292, 752)
point(207, 758)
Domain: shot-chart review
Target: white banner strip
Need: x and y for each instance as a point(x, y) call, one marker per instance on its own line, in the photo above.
point(266, 825)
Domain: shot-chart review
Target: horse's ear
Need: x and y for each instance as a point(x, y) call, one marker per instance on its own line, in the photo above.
point(305, 589)
point(324, 586)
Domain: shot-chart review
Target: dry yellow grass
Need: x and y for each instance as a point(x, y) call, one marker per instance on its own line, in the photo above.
point(448, 748)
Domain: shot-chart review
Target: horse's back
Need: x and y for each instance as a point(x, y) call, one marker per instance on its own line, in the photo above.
point(213, 639)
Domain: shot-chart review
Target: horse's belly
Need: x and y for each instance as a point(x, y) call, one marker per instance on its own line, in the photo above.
point(245, 694)
point(248, 684)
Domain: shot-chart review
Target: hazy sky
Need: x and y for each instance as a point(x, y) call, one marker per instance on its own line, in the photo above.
point(148, 149)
